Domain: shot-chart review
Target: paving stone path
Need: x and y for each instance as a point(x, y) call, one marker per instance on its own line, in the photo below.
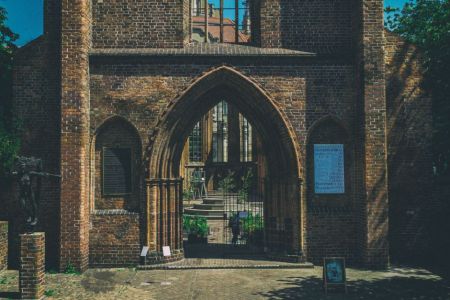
point(396, 284)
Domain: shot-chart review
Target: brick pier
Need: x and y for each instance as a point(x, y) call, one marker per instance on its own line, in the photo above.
point(32, 265)
point(3, 245)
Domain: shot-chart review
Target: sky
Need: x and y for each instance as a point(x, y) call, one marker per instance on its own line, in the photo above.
point(25, 17)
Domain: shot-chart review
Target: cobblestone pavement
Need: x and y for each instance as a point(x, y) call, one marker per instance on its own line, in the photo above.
point(397, 283)
point(225, 256)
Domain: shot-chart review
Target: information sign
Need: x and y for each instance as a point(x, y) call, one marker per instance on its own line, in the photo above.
point(329, 169)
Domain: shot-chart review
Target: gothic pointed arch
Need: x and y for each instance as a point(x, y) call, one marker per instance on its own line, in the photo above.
point(164, 185)
point(254, 102)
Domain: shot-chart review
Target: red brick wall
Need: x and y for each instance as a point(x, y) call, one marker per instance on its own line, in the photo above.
point(139, 24)
point(114, 239)
point(74, 218)
point(319, 26)
point(372, 147)
point(32, 266)
point(3, 245)
point(36, 105)
point(332, 222)
point(410, 153)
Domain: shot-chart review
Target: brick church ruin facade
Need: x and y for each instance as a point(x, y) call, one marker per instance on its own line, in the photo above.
point(131, 79)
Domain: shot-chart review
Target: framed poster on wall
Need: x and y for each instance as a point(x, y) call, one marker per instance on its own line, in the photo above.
point(329, 174)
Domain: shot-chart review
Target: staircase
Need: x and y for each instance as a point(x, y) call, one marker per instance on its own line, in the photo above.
point(212, 207)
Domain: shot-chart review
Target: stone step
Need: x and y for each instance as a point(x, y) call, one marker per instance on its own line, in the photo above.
point(207, 206)
point(209, 214)
point(213, 201)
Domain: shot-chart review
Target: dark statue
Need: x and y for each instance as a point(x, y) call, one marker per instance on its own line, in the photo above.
point(27, 169)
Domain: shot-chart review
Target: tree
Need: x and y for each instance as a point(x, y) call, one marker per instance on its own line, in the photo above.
point(9, 141)
point(426, 23)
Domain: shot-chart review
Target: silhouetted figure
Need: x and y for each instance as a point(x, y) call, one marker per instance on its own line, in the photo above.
point(235, 228)
point(27, 169)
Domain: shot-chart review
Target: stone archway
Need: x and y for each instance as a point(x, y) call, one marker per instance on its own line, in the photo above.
point(164, 185)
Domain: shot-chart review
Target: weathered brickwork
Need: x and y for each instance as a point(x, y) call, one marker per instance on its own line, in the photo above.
point(74, 219)
point(32, 266)
point(3, 245)
point(140, 24)
point(319, 26)
point(149, 98)
point(332, 221)
point(114, 239)
point(409, 151)
point(36, 105)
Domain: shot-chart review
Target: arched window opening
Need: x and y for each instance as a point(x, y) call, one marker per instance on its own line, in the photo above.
point(221, 21)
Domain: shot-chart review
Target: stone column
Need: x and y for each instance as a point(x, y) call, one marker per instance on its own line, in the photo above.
point(3, 245)
point(32, 265)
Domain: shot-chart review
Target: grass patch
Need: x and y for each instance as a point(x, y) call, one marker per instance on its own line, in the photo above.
point(49, 293)
point(70, 270)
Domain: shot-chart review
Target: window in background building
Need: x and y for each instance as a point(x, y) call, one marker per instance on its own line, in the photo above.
point(221, 21)
point(220, 132)
point(195, 144)
point(246, 139)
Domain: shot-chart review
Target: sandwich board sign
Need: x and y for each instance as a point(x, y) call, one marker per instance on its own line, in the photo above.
point(334, 272)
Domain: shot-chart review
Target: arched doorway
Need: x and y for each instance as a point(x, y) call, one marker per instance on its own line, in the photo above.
point(164, 184)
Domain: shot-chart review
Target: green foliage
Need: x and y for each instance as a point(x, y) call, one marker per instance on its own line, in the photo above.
point(252, 227)
point(196, 225)
point(9, 141)
point(9, 146)
point(7, 46)
point(70, 270)
point(3, 280)
point(49, 293)
point(227, 184)
point(188, 194)
point(426, 23)
point(247, 182)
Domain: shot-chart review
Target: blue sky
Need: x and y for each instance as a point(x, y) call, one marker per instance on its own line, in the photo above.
point(26, 17)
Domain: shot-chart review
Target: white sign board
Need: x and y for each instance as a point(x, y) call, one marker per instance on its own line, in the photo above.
point(166, 251)
point(144, 251)
point(329, 169)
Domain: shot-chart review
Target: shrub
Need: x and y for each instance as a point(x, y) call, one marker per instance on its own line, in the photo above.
point(195, 225)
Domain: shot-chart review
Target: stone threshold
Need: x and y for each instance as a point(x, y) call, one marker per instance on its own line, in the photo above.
point(225, 266)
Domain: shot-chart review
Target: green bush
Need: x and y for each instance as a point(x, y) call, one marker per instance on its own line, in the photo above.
point(247, 181)
point(9, 147)
point(195, 225)
point(252, 227)
point(227, 184)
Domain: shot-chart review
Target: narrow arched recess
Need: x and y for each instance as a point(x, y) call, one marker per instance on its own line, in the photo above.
point(116, 144)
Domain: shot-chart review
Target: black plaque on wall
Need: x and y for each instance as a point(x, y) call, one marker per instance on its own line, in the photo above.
point(116, 171)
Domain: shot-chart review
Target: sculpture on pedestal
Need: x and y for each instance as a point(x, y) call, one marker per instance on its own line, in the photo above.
point(26, 170)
